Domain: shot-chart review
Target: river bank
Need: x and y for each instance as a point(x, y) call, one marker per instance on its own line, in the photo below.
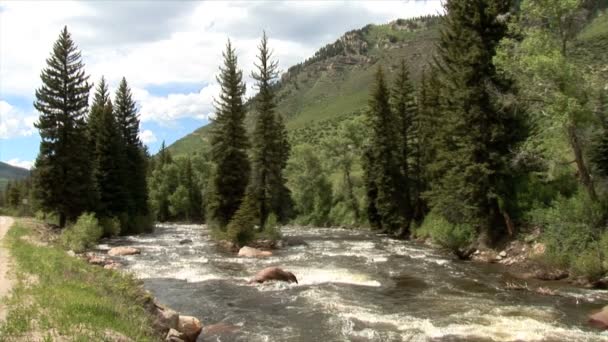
point(57, 297)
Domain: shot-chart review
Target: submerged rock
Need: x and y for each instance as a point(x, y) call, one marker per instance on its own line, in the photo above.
point(185, 241)
point(116, 251)
point(190, 327)
point(253, 252)
point(600, 319)
point(219, 329)
point(274, 273)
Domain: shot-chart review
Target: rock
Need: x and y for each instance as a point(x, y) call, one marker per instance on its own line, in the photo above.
point(174, 336)
point(97, 260)
point(502, 254)
point(477, 252)
point(499, 257)
point(71, 253)
point(190, 327)
point(253, 252)
point(165, 318)
point(219, 329)
point(227, 245)
point(274, 273)
point(550, 274)
point(185, 241)
point(119, 251)
point(110, 335)
point(538, 249)
point(600, 319)
point(113, 266)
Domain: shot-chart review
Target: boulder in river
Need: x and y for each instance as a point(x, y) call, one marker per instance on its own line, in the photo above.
point(185, 241)
point(174, 336)
point(165, 319)
point(190, 327)
point(274, 273)
point(253, 252)
point(113, 266)
point(116, 251)
point(219, 329)
point(600, 319)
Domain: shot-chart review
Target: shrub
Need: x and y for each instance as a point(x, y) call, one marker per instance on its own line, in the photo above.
point(83, 234)
point(451, 236)
point(588, 264)
point(110, 226)
point(240, 230)
point(271, 229)
point(570, 225)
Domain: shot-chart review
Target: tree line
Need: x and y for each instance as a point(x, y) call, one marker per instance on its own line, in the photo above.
point(91, 159)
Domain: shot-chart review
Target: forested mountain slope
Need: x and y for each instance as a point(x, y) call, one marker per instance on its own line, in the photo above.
point(9, 172)
point(335, 82)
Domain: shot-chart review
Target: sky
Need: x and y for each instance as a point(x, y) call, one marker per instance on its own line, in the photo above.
point(169, 52)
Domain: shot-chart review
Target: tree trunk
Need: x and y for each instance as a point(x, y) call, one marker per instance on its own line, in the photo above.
point(62, 220)
point(583, 172)
point(351, 194)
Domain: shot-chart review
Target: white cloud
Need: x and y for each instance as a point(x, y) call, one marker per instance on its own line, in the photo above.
point(175, 42)
point(14, 122)
point(26, 164)
point(147, 136)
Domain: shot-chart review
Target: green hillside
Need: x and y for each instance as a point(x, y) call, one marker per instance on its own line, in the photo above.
point(9, 172)
point(334, 83)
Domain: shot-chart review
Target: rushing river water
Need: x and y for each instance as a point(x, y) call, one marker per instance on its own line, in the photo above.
point(353, 286)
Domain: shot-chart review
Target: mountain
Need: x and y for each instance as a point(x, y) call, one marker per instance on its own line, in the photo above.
point(334, 82)
point(316, 95)
point(9, 172)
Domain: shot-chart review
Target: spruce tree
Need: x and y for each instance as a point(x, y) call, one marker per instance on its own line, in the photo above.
point(267, 186)
point(63, 172)
point(473, 133)
point(382, 163)
point(229, 143)
point(406, 115)
point(135, 167)
point(108, 155)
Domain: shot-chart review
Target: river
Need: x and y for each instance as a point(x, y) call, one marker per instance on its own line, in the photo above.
point(353, 286)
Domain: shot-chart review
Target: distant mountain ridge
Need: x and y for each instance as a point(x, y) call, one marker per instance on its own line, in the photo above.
point(9, 172)
point(334, 82)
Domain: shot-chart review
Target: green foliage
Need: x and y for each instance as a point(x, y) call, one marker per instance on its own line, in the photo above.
point(588, 263)
point(454, 237)
point(178, 202)
point(110, 226)
point(63, 166)
point(241, 228)
point(310, 187)
point(71, 298)
point(271, 229)
point(570, 225)
point(270, 148)
point(229, 143)
point(83, 234)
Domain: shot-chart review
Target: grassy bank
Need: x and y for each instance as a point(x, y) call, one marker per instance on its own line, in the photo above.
point(57, 295)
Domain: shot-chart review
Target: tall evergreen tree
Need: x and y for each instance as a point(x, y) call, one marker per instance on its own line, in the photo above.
point(267, 186)
point(382, 163)
point(406, 114)
point(108, 154)
point(63, 170)
point(473, 137)
point(229, 143)
point(135, 167)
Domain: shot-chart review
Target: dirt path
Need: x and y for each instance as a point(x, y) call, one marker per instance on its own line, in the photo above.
point(5, 282)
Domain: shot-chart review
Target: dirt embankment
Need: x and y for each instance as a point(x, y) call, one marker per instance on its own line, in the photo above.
point(5, 281)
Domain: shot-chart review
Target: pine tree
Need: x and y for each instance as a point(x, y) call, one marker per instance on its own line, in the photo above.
point(267, 186)
point(406, 114)
point(473, 138)
point(164, 156)
point(382, 163)
point(229, 143)
point(63, 172)
point(135, 167)
point(108, 155)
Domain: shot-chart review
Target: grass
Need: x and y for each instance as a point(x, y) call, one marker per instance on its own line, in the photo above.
point(59, 295)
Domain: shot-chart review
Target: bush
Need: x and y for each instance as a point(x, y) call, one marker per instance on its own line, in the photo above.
point(588, 264)
point(83, 234)
point(570, 226)
point(240, 230)
point(451, 236)
point(110, 226)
